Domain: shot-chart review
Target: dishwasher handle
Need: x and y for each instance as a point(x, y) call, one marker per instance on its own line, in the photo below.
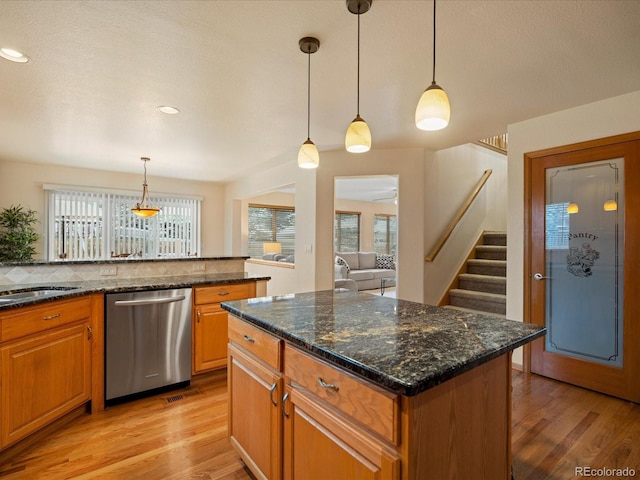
point(148, 301)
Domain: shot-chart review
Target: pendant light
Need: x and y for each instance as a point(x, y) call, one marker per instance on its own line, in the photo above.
point(433, 110)
point(308, 156)
point(358, 138)
point(142, 209)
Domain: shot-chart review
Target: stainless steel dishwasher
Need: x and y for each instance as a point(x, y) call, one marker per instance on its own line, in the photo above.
point(147, 342)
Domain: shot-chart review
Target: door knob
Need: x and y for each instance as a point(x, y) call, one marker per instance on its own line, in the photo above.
point(539, 276)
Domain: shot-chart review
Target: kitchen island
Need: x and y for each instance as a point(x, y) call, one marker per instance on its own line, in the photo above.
point(346, 385)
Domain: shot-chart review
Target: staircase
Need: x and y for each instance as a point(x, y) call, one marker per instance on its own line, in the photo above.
point(483, 288)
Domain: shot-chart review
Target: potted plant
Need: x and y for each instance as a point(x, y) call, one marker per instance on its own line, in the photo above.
point(17, 234)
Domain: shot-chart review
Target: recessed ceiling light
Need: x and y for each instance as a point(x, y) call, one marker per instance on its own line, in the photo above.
point(13, 55)
point(168, 110)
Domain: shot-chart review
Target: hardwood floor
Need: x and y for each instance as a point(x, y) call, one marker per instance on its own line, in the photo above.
point(556, 428)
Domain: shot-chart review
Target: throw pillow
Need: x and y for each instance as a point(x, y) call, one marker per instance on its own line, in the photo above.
point(385, 261)
point(341, 261)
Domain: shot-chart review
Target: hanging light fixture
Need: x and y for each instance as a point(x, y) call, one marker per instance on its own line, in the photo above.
point(308, 156)
point(143, 209)
point(433, 110)
point(358, 138)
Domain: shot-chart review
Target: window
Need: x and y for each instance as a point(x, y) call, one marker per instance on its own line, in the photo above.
point(346, 230)
point(557, 226)
point(271, 224)
point(98, 225)
point(385, 234)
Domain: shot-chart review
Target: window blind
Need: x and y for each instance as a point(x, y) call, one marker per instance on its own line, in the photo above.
point(347, 231)
point(271, 224)
point(97, 225)
point(385, 234)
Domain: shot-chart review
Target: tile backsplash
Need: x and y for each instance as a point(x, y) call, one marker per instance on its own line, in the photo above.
point(73, 272)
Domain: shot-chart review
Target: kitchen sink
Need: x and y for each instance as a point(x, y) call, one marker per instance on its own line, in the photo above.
point(37, 292)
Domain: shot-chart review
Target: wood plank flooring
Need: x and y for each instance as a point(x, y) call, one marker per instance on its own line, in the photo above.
point(556, 428)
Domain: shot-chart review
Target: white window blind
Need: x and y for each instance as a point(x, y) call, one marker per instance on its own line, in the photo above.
point(347, 231)
point(98, 225)
point(385, 233)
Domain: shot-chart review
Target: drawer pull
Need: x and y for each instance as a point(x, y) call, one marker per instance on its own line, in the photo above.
point(330, 386)
point(223, 294)
point(90, 330)
point(284, 402)
point(249, 339)
point(51, 317)
point(198, 315)
point(271, 390)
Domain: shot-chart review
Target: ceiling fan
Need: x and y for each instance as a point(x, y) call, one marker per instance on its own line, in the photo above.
point(393, 196)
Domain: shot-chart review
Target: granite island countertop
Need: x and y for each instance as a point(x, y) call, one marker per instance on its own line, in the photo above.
point(404, 347)
point(69, 289)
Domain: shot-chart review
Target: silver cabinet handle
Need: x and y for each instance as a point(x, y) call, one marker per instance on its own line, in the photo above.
point(198, 315)
point(271, 390)
point(539, 276)
point(327, 385)
point(223, 294)
point(249, 339)
point(51, 317)
point(90, 330)
point(284, 401)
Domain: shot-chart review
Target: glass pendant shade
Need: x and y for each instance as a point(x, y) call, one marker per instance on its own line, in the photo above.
point(308, 155)
point(433, 110)
point(610, 206)
point(358, 138)
point(573, 208)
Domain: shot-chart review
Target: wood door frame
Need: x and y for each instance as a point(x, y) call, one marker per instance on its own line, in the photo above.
point(634, 223)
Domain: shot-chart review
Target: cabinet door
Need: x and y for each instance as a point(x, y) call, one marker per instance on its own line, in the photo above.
point(255, 418)
point(209, 338)
point(43, 378)
point(319, 445)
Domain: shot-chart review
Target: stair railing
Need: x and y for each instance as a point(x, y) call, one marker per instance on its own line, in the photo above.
point(497, 143)
point(456, 220)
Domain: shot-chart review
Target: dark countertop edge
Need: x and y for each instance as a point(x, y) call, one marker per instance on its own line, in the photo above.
point(80, 288)
point(381, 380)
point(39, 263)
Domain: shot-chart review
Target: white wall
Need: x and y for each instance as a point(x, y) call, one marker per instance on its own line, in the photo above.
point(450, 177)
point(606, 118)
point(21, 183)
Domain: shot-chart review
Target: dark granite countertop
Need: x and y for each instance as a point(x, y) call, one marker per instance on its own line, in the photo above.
point(117, 285)
point(404, 347)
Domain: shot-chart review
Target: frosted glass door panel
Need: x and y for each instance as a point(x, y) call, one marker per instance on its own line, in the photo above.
point(584, 214)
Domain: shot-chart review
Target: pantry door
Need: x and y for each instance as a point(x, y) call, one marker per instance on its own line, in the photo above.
point(583, 263)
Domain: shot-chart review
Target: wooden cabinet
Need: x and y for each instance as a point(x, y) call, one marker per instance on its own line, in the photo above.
point(255, 398)
point(45, 365)
point(209, 330)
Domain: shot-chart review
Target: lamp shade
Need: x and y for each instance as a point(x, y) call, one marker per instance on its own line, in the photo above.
point(145, 212)
point(271, 247)
point(433, 110)
point(358, 138)
point(573, 208)
point(610, 205)
point(308, 156)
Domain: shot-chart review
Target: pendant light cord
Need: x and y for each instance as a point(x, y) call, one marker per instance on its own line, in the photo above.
point(358, 96)
point(434, 43)
point(309, 95)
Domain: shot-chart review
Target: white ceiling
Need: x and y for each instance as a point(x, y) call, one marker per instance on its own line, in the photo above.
point(99, 69)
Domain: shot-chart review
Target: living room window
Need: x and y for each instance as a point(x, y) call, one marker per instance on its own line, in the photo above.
point(385, 233)
point(270, 224)
point(346, 230)
point(99, 225)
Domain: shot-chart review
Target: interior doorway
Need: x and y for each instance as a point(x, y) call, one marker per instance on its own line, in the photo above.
point(582, 252)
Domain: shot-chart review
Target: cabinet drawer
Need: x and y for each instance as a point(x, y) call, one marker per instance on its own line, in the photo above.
point(370, 406)
point(261, 344)
point(25, 321)
point(223, 293)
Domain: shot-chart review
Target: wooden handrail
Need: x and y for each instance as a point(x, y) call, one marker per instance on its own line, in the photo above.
point(454, 223)
point(497, 143)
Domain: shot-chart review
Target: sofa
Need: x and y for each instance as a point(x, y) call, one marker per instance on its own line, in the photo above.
point(365, 268)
